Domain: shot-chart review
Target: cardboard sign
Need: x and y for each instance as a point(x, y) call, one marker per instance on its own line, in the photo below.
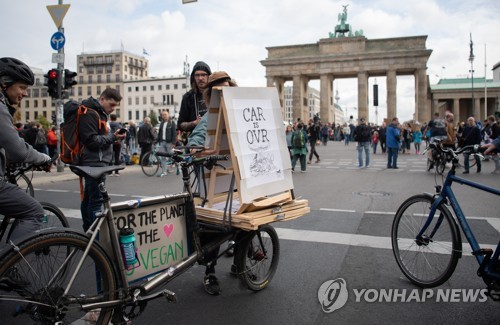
point(159, 225)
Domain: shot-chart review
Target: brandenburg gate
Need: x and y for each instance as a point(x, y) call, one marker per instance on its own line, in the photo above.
point(350, 57)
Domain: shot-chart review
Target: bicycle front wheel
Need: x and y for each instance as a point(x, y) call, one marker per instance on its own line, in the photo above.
point(24, 183)
point(34, 278)
point(150, 164)
point(53, 216)
point(430, 260)
point(441, 166)
point(257, 258)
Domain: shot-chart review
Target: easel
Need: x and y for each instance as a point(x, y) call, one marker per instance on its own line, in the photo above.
point(218, 139)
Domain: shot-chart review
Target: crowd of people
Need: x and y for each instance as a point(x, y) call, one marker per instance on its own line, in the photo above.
point(393, 139)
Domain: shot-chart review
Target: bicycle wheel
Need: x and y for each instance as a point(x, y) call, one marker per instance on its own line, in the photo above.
point(257, 258)
point(441, 166)
point(24, 183)
point(33, 281)
point(428, 261)
point(53, 217)
point(150, 164)
point(430, 164)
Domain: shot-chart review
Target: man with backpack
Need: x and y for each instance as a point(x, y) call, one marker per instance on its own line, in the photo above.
point(97, 147)
point(362, 135)
point(299, 150)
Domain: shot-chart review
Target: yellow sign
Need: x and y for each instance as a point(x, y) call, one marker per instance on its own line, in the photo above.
point(57, 12)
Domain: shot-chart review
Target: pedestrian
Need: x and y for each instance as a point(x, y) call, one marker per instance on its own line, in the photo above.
point(436, 131)
point(314, 134)
point(495, 133)
point(132, 142)
point(393, 136)
point(52, 141)
point(346, 131)
point(97, 150)
point(472, 136)
point(382, 137)
point(193, 106)
point(114, 126)
point(324, 134)
point(15, 78)
point(362, 135)
point(288, 135)
point(299, 140)
point(417, 139)
point(375, 140)
point(146, 136)
point(167, 137)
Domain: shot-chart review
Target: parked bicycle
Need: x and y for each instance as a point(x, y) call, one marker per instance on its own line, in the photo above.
point(53, 268)
point(426, 239)
point(151, 163)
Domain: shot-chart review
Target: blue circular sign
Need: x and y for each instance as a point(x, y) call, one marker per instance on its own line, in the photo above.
point(57, 41)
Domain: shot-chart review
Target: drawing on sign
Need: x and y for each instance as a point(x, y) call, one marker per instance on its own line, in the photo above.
point(57, 41)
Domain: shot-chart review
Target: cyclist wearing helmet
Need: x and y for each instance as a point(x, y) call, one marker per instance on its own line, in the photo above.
point(15, 78)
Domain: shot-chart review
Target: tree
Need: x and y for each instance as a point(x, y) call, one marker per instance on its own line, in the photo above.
point(44, 122)
point(154, 118)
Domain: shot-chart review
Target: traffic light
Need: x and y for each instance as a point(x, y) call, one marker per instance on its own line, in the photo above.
point(69, 78)
point(51, 80)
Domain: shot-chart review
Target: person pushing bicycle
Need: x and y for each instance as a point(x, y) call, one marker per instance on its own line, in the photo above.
point(15, 78)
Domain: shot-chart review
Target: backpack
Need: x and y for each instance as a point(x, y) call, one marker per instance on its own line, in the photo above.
point(71, 148)
point(298, 140)
point(365, 133)
point(41, 139)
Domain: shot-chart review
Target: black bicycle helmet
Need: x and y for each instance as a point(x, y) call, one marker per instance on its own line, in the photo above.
point(16, 71)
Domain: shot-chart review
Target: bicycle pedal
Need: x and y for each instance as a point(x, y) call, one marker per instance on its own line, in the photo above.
point(170, 296)
point(483, 252)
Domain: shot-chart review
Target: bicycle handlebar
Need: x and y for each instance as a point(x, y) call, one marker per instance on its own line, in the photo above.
point(470, 149)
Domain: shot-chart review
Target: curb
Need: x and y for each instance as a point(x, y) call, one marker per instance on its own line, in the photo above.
point(41, 178)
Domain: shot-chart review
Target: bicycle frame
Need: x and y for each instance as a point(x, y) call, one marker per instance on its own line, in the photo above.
point(447, 193)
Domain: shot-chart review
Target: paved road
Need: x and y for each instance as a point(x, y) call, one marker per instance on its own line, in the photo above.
point(346, 236)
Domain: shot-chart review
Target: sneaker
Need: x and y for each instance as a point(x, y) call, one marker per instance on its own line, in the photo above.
point(293, 170)
point(92, 316)
point(302, 171)
point(465, 172)
point(117, 174)
point(308, 162)
point(162, 175)
point(317, 161)
point(211, 284)
point(230, 251)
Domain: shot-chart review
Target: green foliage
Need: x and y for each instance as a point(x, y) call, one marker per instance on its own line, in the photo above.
point(44, 122)
point(154, 118)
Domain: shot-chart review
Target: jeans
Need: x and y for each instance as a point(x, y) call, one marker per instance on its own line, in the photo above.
point(92, 201)
point(165, 147)
point(392, 157)
point(313, 150)
point(366, 147)
point(16, 203)
point(302, 161)
point(466, 162)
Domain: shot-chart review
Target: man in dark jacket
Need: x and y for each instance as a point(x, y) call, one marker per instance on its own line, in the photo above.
point(192, 105)
point(146, 137)
point(97, 144)
point(362, 135)
point(472, 135)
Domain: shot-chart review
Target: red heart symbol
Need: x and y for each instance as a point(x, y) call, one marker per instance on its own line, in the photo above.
point(168, 229)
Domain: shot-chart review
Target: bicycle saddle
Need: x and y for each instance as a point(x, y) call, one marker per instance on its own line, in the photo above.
point(94, 172)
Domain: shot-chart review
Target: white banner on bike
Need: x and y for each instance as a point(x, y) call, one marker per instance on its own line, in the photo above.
point(160, 230)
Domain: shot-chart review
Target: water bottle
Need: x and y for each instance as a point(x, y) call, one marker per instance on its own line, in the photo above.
point(127, 244)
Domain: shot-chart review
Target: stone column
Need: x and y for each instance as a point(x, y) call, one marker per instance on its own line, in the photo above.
point(423, 112)
point(391, 83)
point(279, 83)
point(325, 101)
point(299, 97)
point(456, 109)
point(363, 95)
point(477, 109)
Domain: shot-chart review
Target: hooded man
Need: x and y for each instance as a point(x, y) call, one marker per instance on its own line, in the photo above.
point(193, 106)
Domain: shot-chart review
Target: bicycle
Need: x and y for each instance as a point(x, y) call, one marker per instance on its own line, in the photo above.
point(151, 163)
point(53, 268)
point(426, 239)
point(53, 216)
point(438, 160)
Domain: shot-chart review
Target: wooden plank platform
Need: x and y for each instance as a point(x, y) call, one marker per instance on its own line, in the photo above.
point(252, 220)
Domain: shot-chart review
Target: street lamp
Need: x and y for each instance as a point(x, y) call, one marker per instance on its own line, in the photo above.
point(471, 60)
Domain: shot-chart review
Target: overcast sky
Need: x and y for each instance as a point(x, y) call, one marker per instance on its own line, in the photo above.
point(232, 35)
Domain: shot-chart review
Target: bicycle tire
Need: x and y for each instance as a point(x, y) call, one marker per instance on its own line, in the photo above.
point(150, 164)
point(431, 261)
point(257, 258)
point(441, 166)
point(53, 216)
point(40, 290)
point(23, 182)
